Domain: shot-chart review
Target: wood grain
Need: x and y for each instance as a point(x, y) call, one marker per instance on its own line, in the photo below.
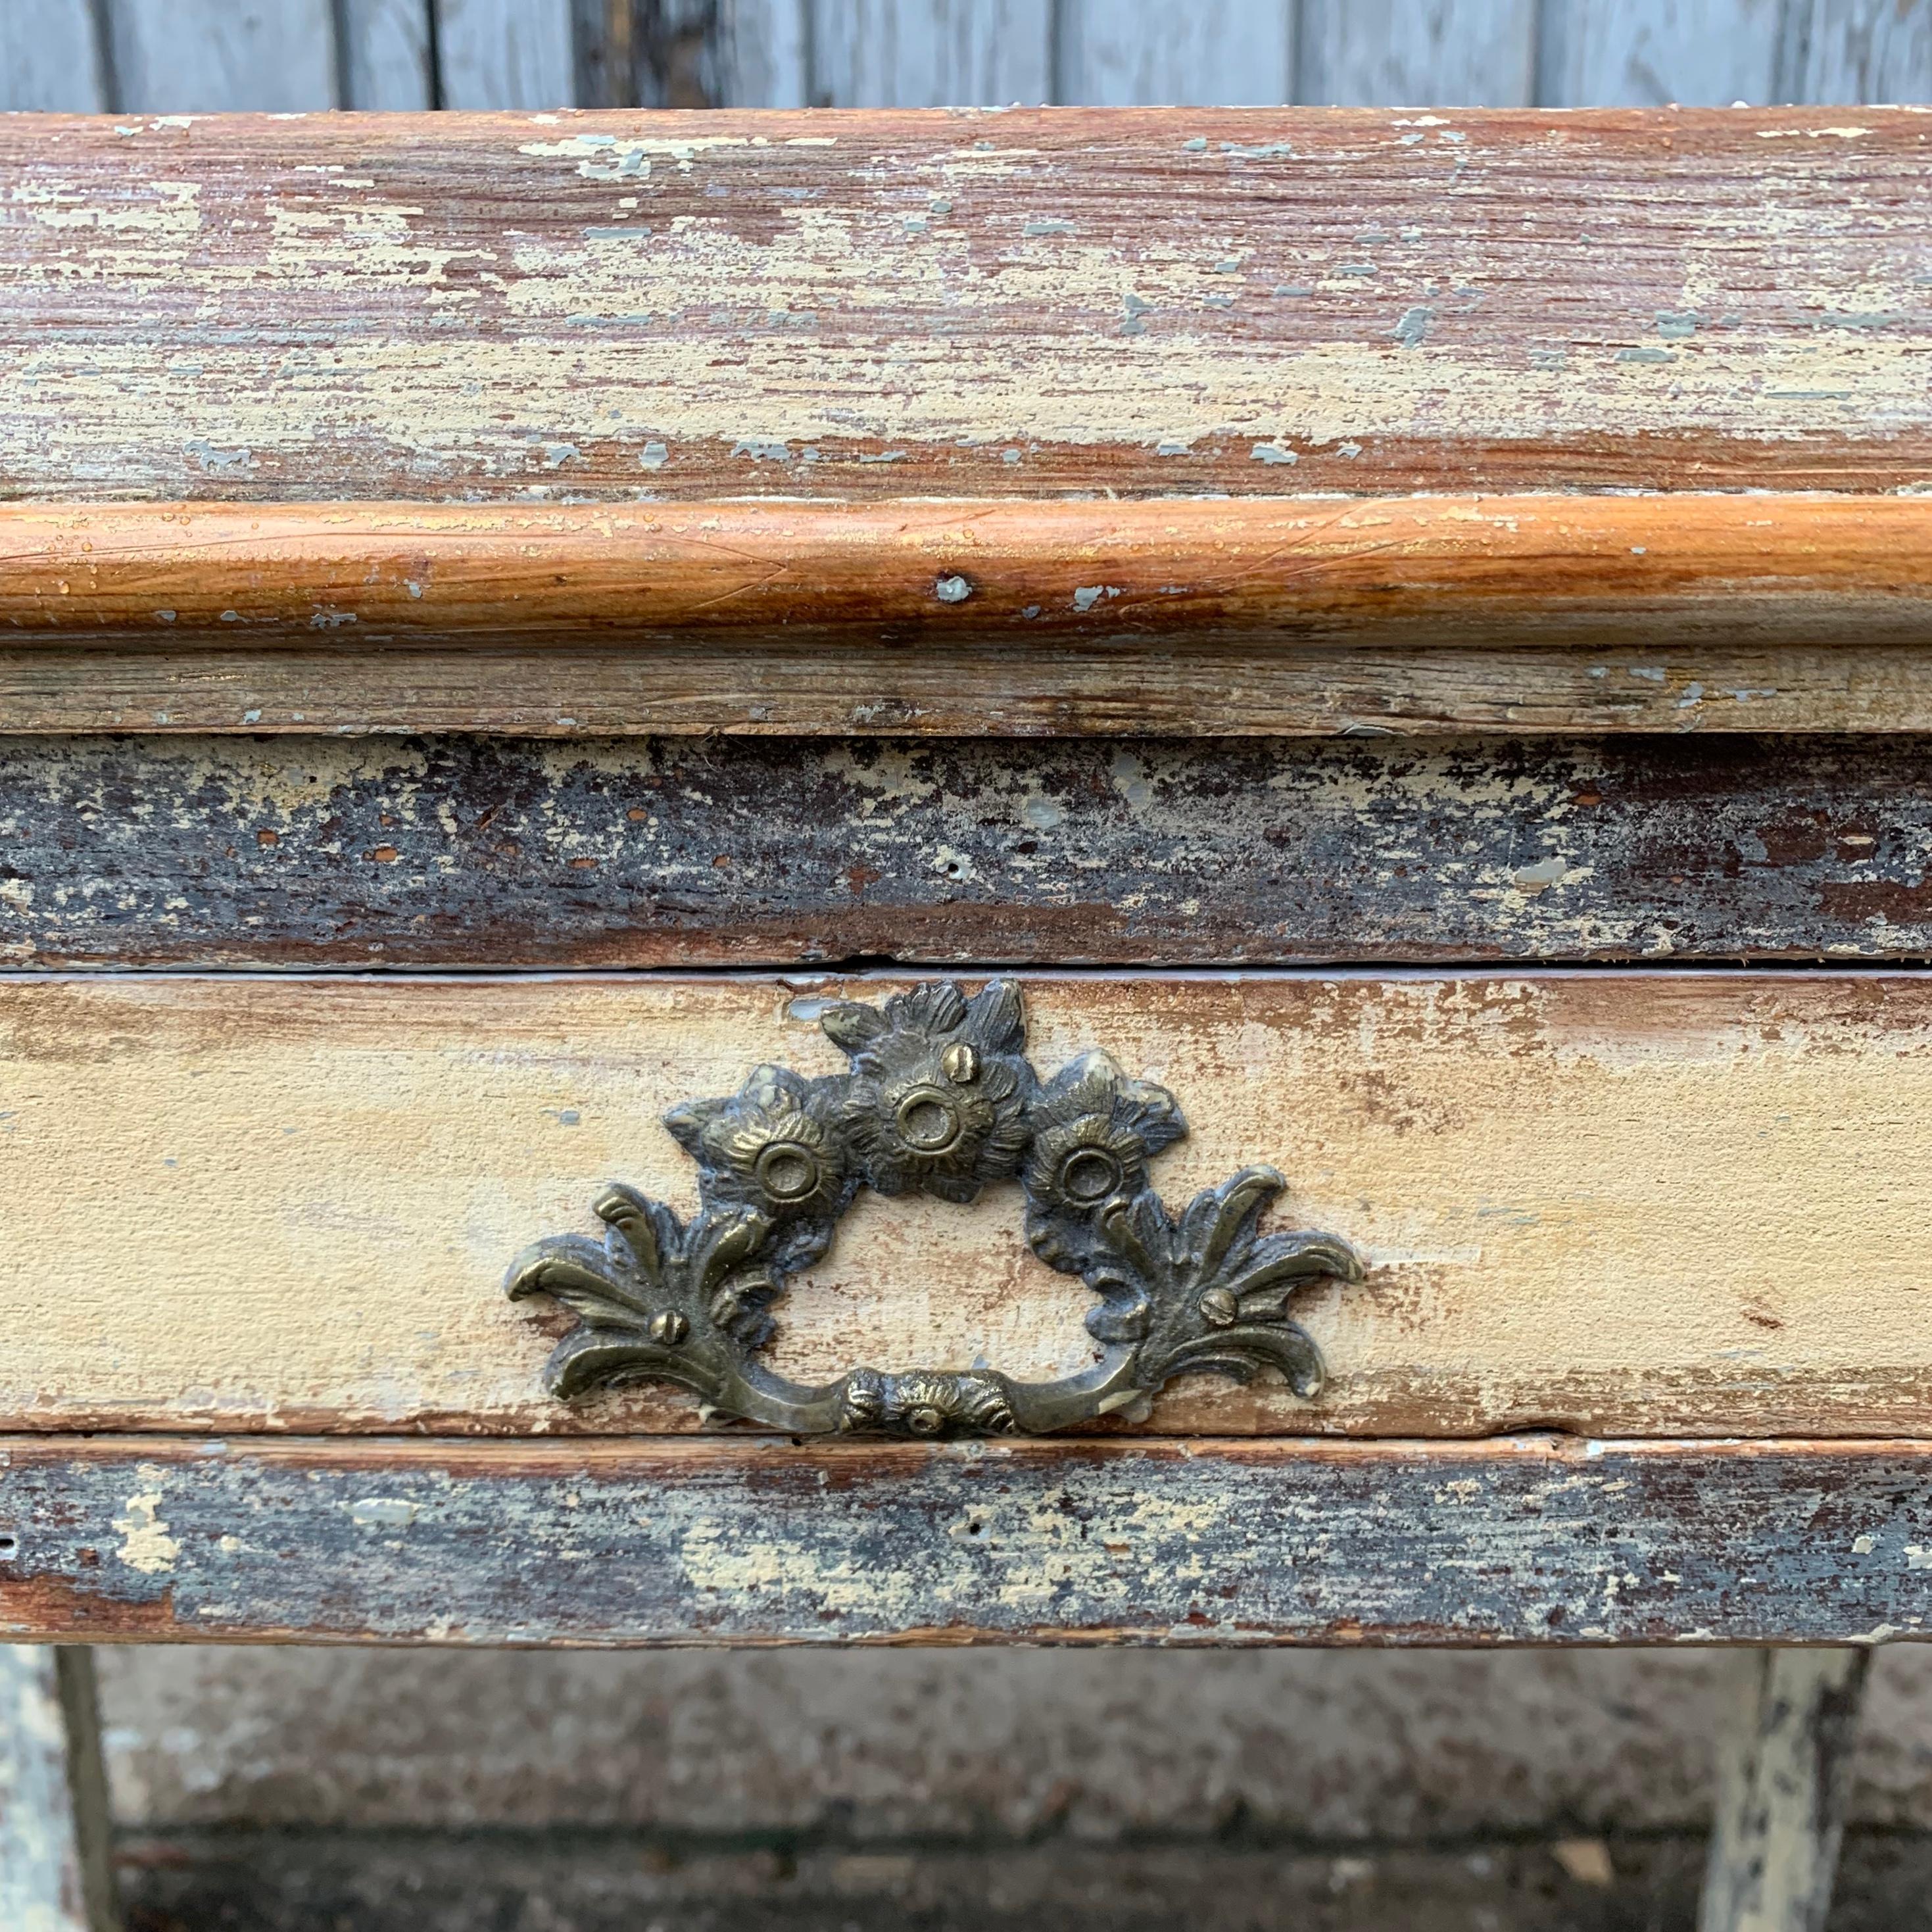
point(230, 852)
point(765, 53)
point(621, 306)
point(1603, 571)
point(1856, 50)
point(1625, 1203)
point(1522, 1541)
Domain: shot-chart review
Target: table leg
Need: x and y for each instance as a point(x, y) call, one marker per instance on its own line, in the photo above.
point(54, 1876)
point(1781, 1809)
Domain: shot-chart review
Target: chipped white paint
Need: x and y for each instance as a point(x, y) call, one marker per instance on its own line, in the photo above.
point(146, 1544)
point(1587, 1198)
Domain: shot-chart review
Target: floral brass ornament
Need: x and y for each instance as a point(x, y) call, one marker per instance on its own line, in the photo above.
point(941, 1099)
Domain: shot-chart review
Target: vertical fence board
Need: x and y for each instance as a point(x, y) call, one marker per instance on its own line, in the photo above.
point(505, 53)
point(384, 54)
point(1850, 52)
point(199, 56)
point(931, 53)
point(48, 58)
point(1647, 53)
point(1417, 53)
point(765, 53)
point(1122, 53)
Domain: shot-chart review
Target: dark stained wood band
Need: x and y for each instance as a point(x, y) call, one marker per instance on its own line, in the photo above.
point(465, 852)
point(1600, 572)
point(1524, 1540)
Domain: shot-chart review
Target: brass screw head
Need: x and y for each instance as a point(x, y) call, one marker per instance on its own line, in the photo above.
point(960, 1063)
point(1219, 1306)
point(669, 1327)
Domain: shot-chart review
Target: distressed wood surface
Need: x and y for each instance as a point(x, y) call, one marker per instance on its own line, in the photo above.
point(1524, 1541)
point(228, 852)
point(1127, 53)
point(178, 57)
point(1026, 304)
point(1621, 1202)
point(54, 1827)
point(1784, 1766)
point(1445, 53)
point(794, 686)
point(1649, 53)
point(1603, 571)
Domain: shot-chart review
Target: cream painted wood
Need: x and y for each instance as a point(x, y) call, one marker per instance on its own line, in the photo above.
point(202, 56)
point(1417, 53)
point(1622, 1204)
point(1136, 53)
point(505, 53)
point(1648, 53)
point(937, 53)
point(50, 59)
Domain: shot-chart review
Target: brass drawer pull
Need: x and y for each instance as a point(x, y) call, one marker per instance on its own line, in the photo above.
point(940, 1099)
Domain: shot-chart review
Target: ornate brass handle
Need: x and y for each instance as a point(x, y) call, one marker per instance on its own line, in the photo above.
point(941, 1098)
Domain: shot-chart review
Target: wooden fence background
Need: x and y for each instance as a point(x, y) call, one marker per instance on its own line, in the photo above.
point(178, 56)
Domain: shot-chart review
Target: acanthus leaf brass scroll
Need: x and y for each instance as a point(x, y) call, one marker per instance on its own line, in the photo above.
point(940, 1099)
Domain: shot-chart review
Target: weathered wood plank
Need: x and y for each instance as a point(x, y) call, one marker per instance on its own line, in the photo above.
point(931, 53)
point(384, 54)
point(50, 59)
point(1612, 1202)
point(1645, 53)
point(1741, 613)
point(1394, 53)
point(1784, 1766)
point(54, 1872)
point(765, 53)
point(1146, 302)
point(505, 53)
point(1525, 1541)
point(1130, 53)
point(795, 686)
point(1850, 51)
point(467, 852)
point(1603, 572)
point(175, 57)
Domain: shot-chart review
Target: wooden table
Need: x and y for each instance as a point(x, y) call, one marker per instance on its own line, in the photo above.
point(1408, 632)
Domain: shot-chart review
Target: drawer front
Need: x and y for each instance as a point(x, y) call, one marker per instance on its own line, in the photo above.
point(1613, 1202)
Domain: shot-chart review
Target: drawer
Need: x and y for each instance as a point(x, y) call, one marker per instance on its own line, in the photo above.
point(1616, 1203)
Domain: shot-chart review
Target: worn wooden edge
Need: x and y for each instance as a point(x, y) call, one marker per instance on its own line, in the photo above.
point(1525, 1539)
point(469, 852)
point(1598, 571)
